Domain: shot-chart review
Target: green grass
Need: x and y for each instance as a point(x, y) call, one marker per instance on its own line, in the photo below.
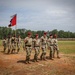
point(67, 47)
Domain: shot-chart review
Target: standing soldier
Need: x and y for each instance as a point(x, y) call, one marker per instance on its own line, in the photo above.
point(51, 44)
point(43, 44)
point(36, 47)
point(5, 43)
point(13, 41)
point(9, 43)
point(56, 48)
point(18, 43)
point(28, 45)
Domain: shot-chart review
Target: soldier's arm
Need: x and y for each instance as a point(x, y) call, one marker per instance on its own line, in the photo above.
point(25, 40)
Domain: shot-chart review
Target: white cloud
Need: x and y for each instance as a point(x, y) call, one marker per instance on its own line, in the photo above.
point(39, 14)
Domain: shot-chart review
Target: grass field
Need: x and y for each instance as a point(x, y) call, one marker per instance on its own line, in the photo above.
point(14, 64)
point(67, 47)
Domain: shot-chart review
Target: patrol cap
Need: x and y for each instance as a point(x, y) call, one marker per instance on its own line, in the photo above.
point(45, 33)
point(29, 33)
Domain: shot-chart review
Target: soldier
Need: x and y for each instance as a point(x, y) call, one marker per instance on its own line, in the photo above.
point(5, 43)
point(18, 43)
point(13, 42)
point(43, 45)
point(28, 45)
point(36, 47)
point(56, 48)
point(9, 43)
point(51, 41)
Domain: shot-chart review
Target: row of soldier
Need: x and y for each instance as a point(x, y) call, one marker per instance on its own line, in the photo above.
point(37, 44)
point(11, 43)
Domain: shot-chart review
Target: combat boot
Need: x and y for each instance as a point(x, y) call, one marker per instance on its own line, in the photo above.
point(26, 59)
point(58, 57)
point(29, 60)
point(34, 58)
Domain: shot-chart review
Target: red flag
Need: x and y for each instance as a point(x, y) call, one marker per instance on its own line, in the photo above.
point(13, 21)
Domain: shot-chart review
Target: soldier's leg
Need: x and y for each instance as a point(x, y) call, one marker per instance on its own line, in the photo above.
point(34, 56)
point(36, 53)
point(18, 48)
point(44, 54)
point(51, 52)
point(4, 48)
point(27, 54)
point(41, 57)
point(54, 53)
point(8, 49)
point(58, 52)
point(14, 47)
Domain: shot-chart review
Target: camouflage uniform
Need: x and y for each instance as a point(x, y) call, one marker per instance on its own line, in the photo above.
point(28, 46)
point(43, 45)
point(51, 45)
point(18, 44)
point(37, 48)
point(5, 44)
point(56, 48)
point(9, 44)
point(13, 41)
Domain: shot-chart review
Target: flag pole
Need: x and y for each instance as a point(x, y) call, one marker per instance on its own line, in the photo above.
point(16, 25)
point(16, 31)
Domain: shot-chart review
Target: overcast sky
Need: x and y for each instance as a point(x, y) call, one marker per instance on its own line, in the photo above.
point(39, 14)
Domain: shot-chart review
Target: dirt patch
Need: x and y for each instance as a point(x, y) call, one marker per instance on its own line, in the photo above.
point(14, 64)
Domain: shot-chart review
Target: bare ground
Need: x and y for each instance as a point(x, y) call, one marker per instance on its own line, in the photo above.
point(14, 64)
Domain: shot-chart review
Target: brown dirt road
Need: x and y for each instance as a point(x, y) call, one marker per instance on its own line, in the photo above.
point(14, 64)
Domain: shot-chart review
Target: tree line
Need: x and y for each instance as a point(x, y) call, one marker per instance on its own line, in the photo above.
point(5, 31)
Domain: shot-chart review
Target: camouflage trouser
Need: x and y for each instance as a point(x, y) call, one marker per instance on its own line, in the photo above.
point(9, 47)
point(28, 53)
point(43, 55)
point(56, 48)
point(13, 47)
point(37, 51)
point(18, 47)
point(5, 47)
point(51, 52)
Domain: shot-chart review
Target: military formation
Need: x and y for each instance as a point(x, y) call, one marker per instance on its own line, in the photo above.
point(13, 45)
